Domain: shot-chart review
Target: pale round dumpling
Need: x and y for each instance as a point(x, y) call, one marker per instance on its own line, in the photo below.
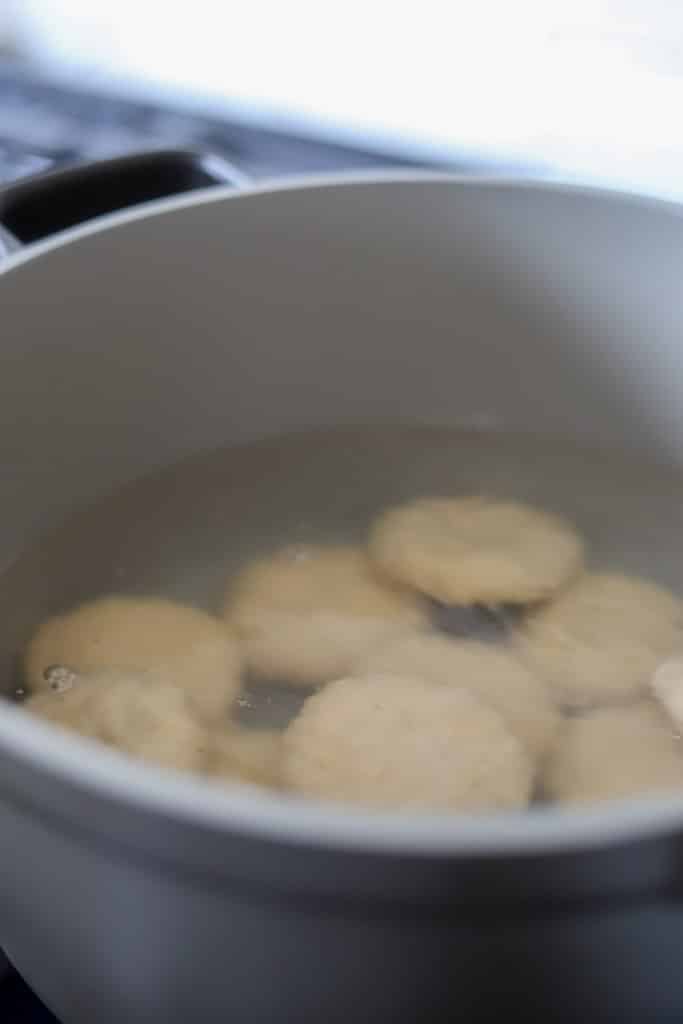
point(146, 719)
point(463, 551)
point(305, 614)
point(181, 645)
point(600, 640)
point(399, 742)
point(493, 674)
point(247, 755)
point(615, 752)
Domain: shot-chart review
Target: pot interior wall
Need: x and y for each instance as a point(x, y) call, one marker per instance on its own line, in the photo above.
point(515, 309)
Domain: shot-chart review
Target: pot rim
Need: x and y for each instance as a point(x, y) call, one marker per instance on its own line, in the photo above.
point(87, 766)
point(343, 179)
point(79, 763)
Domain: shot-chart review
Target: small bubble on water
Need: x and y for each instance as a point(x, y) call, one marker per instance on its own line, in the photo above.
point(59, 678)
point(299, 552)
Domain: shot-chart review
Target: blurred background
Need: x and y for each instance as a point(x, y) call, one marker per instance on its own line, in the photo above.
point(589, 90)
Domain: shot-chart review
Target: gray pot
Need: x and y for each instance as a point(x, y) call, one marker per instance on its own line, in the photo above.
point(128, 894)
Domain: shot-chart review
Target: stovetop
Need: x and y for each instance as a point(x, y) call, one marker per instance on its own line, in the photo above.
point(46, 121)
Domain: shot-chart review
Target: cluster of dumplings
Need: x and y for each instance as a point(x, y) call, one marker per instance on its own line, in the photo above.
point(577, 695)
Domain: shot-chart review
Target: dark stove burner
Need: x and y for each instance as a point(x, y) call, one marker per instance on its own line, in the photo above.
point(18, 1005)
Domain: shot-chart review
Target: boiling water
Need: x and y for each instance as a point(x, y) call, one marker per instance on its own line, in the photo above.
point(184, 533)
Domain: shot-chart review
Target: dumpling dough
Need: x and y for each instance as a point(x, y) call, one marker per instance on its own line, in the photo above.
point(151, 720)
point(600, 641)
point(615, 752)
point(181, 645)
point(398, 742)
point(305, 614)
point(247, 755)
point(474, 551)
point(492, 674)
point(69, 708)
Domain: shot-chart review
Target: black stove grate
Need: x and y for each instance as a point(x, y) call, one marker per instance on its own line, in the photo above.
point(44, 123)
